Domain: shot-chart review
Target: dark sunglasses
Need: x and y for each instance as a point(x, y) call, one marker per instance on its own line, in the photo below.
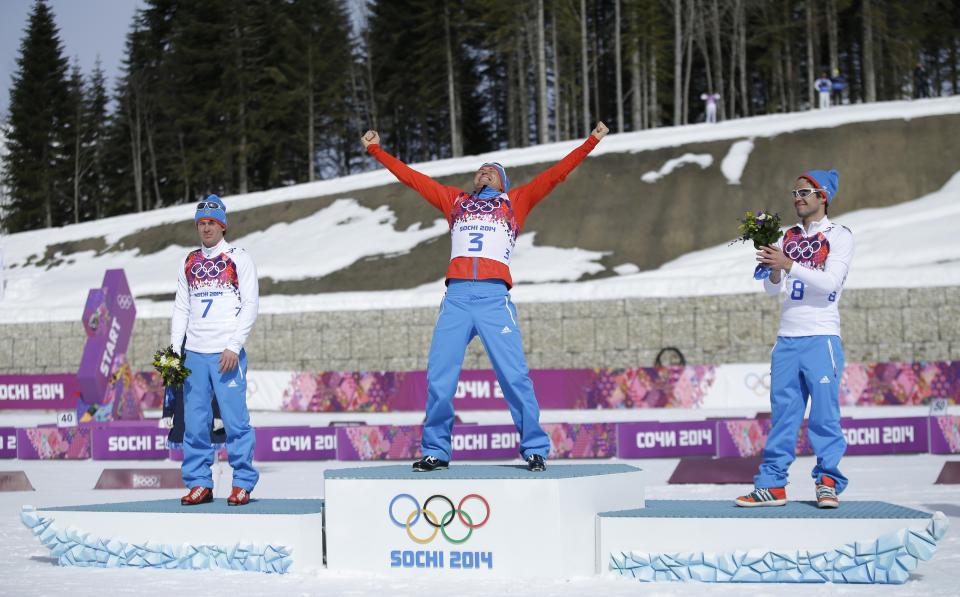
point(209, 204)
point(801, 193)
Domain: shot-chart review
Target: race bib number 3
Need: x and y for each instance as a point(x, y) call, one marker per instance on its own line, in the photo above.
point(476, 238)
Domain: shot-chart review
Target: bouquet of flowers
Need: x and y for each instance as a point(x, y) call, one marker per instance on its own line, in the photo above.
point(170, 366)
point(763, 229)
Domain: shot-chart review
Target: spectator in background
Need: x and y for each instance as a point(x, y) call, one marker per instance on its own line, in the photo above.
point(839, 84)
point(711, 99)
point(920, 82)
point(824, 86)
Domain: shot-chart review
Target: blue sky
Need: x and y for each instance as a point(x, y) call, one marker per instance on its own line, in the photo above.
point(88, 28)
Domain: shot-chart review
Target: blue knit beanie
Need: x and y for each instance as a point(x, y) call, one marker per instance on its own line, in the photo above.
point(503, 174)
point(212, 208)
point(828, 180)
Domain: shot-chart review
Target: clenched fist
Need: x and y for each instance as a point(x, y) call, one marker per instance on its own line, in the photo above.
point(600, 131)
point(371, 137)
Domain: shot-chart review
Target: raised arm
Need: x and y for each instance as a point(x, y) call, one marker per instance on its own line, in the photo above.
point(525, 197)
point(438, 195)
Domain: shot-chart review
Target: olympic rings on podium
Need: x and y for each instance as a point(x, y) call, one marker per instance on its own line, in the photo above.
point(441, 523)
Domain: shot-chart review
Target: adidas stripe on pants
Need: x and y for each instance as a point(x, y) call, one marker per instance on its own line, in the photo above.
point(479, 308)
point(801, 369)
point(230, 390)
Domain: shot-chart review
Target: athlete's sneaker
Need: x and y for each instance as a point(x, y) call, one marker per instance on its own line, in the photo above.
point(238, 497)
point(763, 496)
point(827, 493)
point(536, 463)
point(197, 496)
point(430, 463)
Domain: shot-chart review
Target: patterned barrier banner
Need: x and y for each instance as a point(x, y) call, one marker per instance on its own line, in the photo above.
point(122, 440)
point(53, 391)
point(295, 443)
point(741, 438)
point(691, 387)
point(53, 443)
point(945, 434)
point(651, 439)
point(476, 442)
point(8, 442)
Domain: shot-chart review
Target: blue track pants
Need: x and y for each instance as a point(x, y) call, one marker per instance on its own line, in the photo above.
point(801, 368)
point(471, 308)
point(230, 390)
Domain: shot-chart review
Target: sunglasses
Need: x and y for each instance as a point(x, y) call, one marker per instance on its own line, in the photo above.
point(208, 205)
point(802, 193)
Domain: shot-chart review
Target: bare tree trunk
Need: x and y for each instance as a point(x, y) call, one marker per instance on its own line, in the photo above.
point(636, 96)
point(732, 87)
point(778, 85)
point(158, 200)
point(513, 118)
point(77, 133)
point(832, 35)
point(136, 145)
point(524, 92)
point(811, 92)
point(618, 64)
point(869, 76)
point(456, 144)
point(677, 62)
point(371, 96)
point(543, 123)
point(558, 107)
point(688, 57)
point(584, 69)
point(744, 95)
point(654, 119)
point(311, 122)
point(702, 44)
point(717, 56)
point(241, 116)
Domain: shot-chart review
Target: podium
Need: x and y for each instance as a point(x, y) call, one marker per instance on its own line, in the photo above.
point(481, 521)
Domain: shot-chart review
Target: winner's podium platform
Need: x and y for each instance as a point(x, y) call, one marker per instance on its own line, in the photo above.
point(264, 535)
point(478, 520)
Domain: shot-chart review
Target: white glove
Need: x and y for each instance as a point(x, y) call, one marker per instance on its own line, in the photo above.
point(217, 424)
point(167, 422)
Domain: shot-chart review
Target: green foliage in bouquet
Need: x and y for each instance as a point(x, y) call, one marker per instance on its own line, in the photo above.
point(762, 228)
point(170, 366)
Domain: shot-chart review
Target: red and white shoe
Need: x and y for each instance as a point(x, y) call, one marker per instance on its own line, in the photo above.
point(238, 497)
point(197, 496)
point(827, 493)
point(763, 496)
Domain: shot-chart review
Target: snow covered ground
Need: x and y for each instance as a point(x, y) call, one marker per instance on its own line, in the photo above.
point(922, 252)
point(26, 568)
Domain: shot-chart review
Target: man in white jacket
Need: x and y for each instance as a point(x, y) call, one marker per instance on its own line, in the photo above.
point(811, 261)
point(216, 305)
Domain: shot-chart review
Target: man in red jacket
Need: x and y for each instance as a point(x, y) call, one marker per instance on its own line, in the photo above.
point(484, 225)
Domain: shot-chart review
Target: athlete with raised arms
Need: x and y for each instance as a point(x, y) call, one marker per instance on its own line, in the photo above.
point(484, 225)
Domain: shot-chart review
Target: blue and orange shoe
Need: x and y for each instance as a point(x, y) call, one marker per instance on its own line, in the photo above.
point(763, 496)
point(827, 493)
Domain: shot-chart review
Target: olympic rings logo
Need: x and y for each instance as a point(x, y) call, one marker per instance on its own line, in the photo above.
point(124, 301)
point(208, 269)
point(758, 384)
point(440, 523)
point(483, 206)
point(802, 250)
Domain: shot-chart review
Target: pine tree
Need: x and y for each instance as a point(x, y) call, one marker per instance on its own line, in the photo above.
point(39, 109)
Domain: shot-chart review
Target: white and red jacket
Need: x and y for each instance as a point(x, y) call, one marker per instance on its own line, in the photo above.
point(822, 255)
point(217, 300)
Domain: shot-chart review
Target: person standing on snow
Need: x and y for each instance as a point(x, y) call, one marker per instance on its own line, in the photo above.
point(215, 308)
point(813, 258)
point(824, 86)
point(711, 100)
point(484, 225)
